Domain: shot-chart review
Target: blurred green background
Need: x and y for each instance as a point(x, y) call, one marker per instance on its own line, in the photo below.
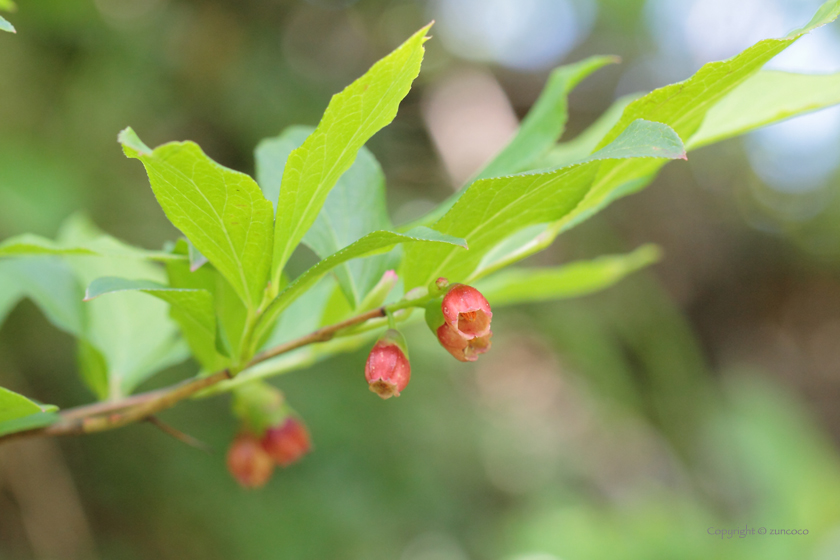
point(701, 395)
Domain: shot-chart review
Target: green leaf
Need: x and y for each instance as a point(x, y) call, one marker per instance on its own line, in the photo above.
point(542, 127)
point(585, 143)
point(6, 26)
point(17, 413)
point(8, 5)
point(546, 120)
point(373, 243)
point(643, 139)
point(221, 211)
point(197, 305)
point(766, 98)
point(271, 155)
point(304, 314)
point(51, 284)
point(513, 286)
point(682, 106)
point(354, 208)
point(13, 405)
point(133, 333)
point(352, 117)
point(103, 245)
point(31, 422)
point(197, 260)
point(93, 368)
point(10, 294)
point(211, 349)
point(492, 209)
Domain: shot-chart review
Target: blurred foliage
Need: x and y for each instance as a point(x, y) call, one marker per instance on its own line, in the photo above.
point(620, 425)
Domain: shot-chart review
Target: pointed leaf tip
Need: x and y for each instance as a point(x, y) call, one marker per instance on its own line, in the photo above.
point(129, 139)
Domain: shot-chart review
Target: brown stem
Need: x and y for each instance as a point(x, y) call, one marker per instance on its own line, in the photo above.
point(104, 416)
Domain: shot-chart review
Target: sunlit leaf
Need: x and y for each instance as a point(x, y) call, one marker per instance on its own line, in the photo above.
point(585, 143)
point(492, 209)
point(524, 285)
point(354, 208)
point(352, 117)
point(545, 122)
point(374, 243)
point(766, 98)
point(222, 212)
point(682, 106)
point(17, 413)
point(6, 26)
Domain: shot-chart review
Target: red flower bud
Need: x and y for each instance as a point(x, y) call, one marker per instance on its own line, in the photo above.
point(248, 462)
point(387, 369)
point(288, 442)
point(462, 322)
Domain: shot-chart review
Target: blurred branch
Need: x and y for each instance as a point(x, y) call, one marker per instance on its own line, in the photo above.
point(101, 417)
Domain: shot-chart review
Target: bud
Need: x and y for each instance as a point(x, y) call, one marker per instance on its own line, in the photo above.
point(379, 293)
point(259, 405)
point(387, 369)
point(461, 322)
point(288, 442)
point(441, 283)
point(248, 462)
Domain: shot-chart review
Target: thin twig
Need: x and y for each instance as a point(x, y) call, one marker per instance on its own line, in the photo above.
point(178, 434)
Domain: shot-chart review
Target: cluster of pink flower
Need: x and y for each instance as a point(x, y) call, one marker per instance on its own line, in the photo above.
point(251, 459)
point(461, 322)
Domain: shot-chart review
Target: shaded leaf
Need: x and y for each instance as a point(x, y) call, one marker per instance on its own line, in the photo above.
point(642, 139)
point(51, 284)
point(354, 208)
point(196, 304)
point(104, 245)
point(133, 333)
point(211, 349)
